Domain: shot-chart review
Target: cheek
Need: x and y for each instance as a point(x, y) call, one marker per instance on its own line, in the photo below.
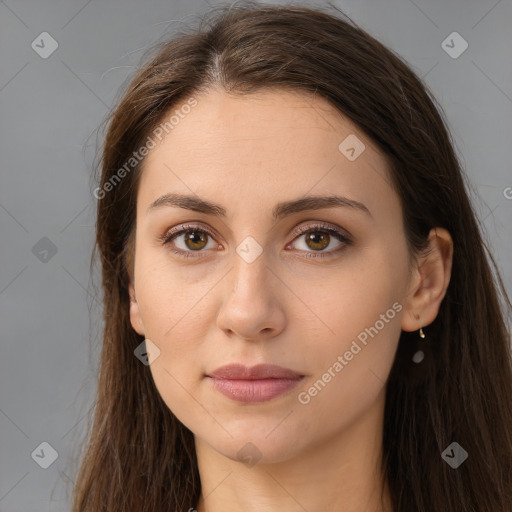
point(349, 374)
point(171, 298)
point(173, 308)
point(361, 312)
point(353, 295)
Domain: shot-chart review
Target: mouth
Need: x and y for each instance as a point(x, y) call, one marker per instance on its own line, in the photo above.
point(253, 384)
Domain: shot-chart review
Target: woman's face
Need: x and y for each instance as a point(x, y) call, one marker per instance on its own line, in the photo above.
point(266, 277)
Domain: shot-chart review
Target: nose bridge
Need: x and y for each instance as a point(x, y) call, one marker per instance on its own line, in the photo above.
point(250, 306)
point(250, 272)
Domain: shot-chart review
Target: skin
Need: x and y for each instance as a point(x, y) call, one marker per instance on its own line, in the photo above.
point(247, 154)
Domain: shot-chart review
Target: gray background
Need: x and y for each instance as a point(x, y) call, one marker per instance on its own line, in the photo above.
point(49, 111)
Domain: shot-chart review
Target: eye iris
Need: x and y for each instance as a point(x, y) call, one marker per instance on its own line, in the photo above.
point(193, 237)
point(319, 239)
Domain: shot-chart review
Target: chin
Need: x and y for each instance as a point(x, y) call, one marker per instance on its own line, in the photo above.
point(250, 445)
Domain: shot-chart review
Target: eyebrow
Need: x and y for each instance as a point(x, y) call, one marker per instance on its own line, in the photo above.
point(281, 210)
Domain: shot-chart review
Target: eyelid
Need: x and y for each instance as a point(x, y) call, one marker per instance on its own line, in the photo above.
point(186, 227)
point(322, 225)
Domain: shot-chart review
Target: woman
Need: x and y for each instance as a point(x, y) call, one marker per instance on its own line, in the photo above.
point(300, 312)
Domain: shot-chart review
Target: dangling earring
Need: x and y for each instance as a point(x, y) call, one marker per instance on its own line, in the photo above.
point(419, 355)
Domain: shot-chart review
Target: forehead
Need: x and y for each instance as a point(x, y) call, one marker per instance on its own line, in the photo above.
point(274, 143)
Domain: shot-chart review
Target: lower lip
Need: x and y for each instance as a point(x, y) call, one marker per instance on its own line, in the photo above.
point(254, 390)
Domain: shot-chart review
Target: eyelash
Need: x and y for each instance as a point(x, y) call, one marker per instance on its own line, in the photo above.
point(169, 236)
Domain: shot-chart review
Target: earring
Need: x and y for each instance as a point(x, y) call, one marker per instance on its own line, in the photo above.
point(419, 355)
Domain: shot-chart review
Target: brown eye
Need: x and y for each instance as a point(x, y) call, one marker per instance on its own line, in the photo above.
point(317, 240)
point(196, 240)
point(187, 240)
point(320, 241)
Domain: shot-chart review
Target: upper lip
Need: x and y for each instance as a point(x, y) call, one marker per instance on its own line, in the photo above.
point(258, 372)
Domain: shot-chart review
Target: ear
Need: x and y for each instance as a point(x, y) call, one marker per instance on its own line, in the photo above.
point(430, 281)
point(135, 317)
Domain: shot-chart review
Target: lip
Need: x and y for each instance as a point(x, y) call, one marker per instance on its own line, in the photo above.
point(258, 383)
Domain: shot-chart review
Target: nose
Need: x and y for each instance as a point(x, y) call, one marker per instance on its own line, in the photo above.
point(253, 307)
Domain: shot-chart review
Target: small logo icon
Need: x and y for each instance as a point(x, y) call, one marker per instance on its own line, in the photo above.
point(454, 45)
point(45, 455)
point(249, 249)
point(44, 45)
point(147, 352)
point(454, 455)
point(351, 147)
point(44, 250)
point(249, 454)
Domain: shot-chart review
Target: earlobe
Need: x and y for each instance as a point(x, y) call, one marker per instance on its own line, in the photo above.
point(433, 274)
point(135, 317)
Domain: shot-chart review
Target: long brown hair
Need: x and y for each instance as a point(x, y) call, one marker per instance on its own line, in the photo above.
point(139, 457)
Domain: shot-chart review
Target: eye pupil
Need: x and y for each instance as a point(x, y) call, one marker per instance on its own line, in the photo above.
point(319, 239)
point(193, 237)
